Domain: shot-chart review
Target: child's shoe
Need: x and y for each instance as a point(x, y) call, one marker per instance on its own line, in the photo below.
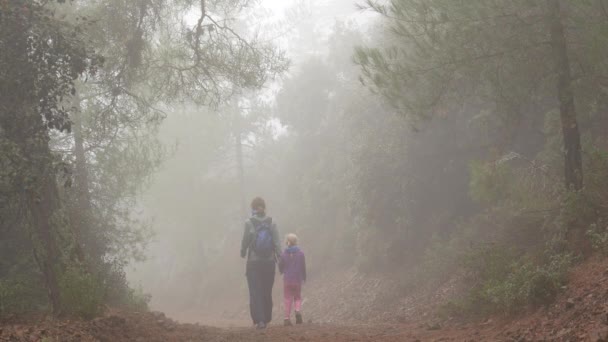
point(287, 322)
point(298, 318)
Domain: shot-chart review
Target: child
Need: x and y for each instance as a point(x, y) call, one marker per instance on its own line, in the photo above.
point(293, 268)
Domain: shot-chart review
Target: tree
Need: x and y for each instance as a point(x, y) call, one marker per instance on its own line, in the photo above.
point(573, 165)
point(40, 57)
point(68, 119)
point(445, 53)
point(153, 60)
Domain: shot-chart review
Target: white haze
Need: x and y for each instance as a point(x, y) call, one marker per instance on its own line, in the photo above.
point(200, 157)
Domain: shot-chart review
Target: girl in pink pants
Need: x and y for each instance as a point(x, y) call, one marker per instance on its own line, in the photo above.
point(293, 267)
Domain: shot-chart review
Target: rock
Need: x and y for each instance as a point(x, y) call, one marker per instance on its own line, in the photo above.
point(158, 315)
point(434, 326)
point(569, 303)
point(562, 333)
point(599, 335)
point(115, 320)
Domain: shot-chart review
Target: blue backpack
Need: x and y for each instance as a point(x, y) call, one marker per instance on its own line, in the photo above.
point(262, 243)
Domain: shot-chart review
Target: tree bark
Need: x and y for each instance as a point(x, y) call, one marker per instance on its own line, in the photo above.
point(573, 165)
point(82, 208)
point(42, 198)
point(240, 164)
point(42, 206)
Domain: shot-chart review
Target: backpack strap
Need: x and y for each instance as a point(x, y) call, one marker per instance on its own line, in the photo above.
point(256, 227)
point(257, 224)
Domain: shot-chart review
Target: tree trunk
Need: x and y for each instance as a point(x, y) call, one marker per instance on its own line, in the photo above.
point(42, 198)
point(41, 210)
point(240, 164)
point(573, 166)
point(82, 208)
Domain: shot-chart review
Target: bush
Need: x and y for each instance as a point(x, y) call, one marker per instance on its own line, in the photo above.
point(137, 299)
point(587, 208)
point(489, 182)
point(502, 281)
point(20, 295)
point(81, 293)
point(516, 256)
point(117, 291)
point(598, 236)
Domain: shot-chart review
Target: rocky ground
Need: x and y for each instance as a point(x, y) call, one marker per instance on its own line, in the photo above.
point(579, 314)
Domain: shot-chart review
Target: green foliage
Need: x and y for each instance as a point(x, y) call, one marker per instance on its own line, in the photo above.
point(586, 209)
point(118, 292)
point(489, 181)
point(503, 281)
point(20, 295)
point(78, 136)
point(137, 299)
point(439, 261)
point(598, 236)
point(596, 180)
point(81, 293)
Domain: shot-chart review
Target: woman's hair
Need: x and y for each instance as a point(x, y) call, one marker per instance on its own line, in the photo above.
point(258, 204)
point(291, 239)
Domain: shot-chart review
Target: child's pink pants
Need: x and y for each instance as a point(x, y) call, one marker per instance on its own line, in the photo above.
point(292, 293)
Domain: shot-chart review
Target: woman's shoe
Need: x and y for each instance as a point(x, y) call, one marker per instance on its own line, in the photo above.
point(261, 326)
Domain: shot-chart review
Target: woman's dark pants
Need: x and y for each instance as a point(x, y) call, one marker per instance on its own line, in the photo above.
point(260, 278)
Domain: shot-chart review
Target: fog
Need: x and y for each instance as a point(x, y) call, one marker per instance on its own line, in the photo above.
point(436, 160)
point(374, 164)
point(196, 204)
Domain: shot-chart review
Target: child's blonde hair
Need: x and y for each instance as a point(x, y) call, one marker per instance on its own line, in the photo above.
point(291, 239)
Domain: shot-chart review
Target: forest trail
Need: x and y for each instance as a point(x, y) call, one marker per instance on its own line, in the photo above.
point(579, 314)
point(155, 327)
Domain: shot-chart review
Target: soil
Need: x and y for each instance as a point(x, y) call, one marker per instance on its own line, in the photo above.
point(579, 314)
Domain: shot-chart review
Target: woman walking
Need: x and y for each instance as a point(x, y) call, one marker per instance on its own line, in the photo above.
point(262, 248)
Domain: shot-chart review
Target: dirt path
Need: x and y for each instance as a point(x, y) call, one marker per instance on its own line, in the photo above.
point(155, 327)
point(151, 327)
point(579, 314)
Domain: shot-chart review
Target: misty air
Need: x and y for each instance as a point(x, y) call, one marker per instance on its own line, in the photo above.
point(303, 170)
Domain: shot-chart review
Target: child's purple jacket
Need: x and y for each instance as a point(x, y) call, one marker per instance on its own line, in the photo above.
point(293, 266)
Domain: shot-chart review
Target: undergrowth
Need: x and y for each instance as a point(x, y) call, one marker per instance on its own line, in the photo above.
point(517, 252)
point(502, 282)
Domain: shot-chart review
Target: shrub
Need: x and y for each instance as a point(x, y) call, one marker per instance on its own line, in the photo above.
point(21, 294)
point(489, 182)
point(503, 281)
point(598, 236)
point(117, 291)
point(81, 293)
point(137, 299)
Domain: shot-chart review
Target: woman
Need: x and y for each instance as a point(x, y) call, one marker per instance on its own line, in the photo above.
point(262, 247)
